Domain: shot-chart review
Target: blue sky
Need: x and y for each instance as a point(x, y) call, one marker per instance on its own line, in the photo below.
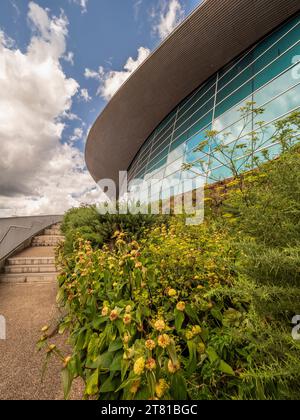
point(88, 43)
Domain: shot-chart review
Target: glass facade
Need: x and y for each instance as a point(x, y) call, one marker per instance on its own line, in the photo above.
point(267, 74)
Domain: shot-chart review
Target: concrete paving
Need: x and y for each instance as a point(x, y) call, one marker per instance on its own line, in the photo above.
point(27, 308)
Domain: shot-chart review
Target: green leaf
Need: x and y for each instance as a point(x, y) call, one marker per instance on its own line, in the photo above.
point(102, 362)
point(225, 368)
point(128, 382)
point(178, 387)
point(216, 313)
point(67, 379)
point(116, 364)
point(212, 355)
point(192, 366)
point(179, 318)
point(108, 386)
point(191, 313)
point(92, 384)
point(60, 296)
point(151, 380)
point(124, 367)
point(116, 345)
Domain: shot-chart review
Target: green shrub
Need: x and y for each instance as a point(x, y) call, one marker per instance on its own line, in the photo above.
point(213, 333)
point(90, 225)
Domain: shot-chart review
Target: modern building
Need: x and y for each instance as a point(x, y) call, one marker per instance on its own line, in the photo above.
point(227, 52)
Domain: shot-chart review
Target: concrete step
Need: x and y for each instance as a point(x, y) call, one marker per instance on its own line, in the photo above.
point(47, 240)
point(31, 261)
point(28, 278)
point(52, 232)
point(25, 269)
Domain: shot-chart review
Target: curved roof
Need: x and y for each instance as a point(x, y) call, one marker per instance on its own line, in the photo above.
point(215, 33)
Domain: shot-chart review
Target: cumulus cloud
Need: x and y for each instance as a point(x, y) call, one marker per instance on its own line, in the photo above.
point(77, 134)
point(82, 3)
point(39, 174)
point(84, 95)
point(111, 80)
point(169, 14)
point(69, 57)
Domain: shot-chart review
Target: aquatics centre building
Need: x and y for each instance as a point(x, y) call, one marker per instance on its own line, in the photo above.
point(225, 54)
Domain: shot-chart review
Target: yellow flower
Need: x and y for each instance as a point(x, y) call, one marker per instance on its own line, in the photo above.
point(105, 311)
point(126, 338)
point(127, 319)
point(196, 330)
point(180, 306)
point(173, 367)
point(164, 341)
point(161, 387)
point(139, 366)
point(51, 348)
point(138, 265)
point(45, 329)
point(128, 309)
point(128, 354)
point(67, 361)
point(160, 325)
point(150, 364)
point(150, 344)
point(201, 348)
point(135, 387)
point(172, 292)
point(113, 315)
point(189, 335)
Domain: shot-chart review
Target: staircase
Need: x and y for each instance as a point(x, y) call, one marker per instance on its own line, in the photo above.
point(36, 263)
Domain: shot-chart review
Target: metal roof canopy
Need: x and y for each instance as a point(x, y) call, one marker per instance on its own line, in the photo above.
point(214, 34)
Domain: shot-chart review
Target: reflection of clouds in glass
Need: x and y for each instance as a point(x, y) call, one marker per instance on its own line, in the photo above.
point(296, 69)
point(282, 105)
point(176, 153)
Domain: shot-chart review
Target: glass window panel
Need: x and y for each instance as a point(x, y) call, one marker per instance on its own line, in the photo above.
point(166, 122)
point(181, 128)
point(219, 173)
point(197, 139)
point(236, 70)
point(176, 153)
point(206, 102)
point(157, 163)
point(281, 105)
point(277, 86)
point(274, 38)
point(279, 66)
point(173, 167)
point(202, 123)
point(160, 147)
point(234, 99)
point(162, 138)
point(180, 141)
point(207, 89)
point(234, 84)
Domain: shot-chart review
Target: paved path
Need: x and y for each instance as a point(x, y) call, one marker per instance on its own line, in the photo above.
point(27, 308)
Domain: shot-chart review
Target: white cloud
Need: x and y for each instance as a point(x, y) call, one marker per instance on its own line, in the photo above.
point(82, 3)
point(84, 95)
point(136, 8)
point(92, 74)
point(39, 174)
point(77, 135)
point(69, 57)
point(112, 80)
point(169, 15)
